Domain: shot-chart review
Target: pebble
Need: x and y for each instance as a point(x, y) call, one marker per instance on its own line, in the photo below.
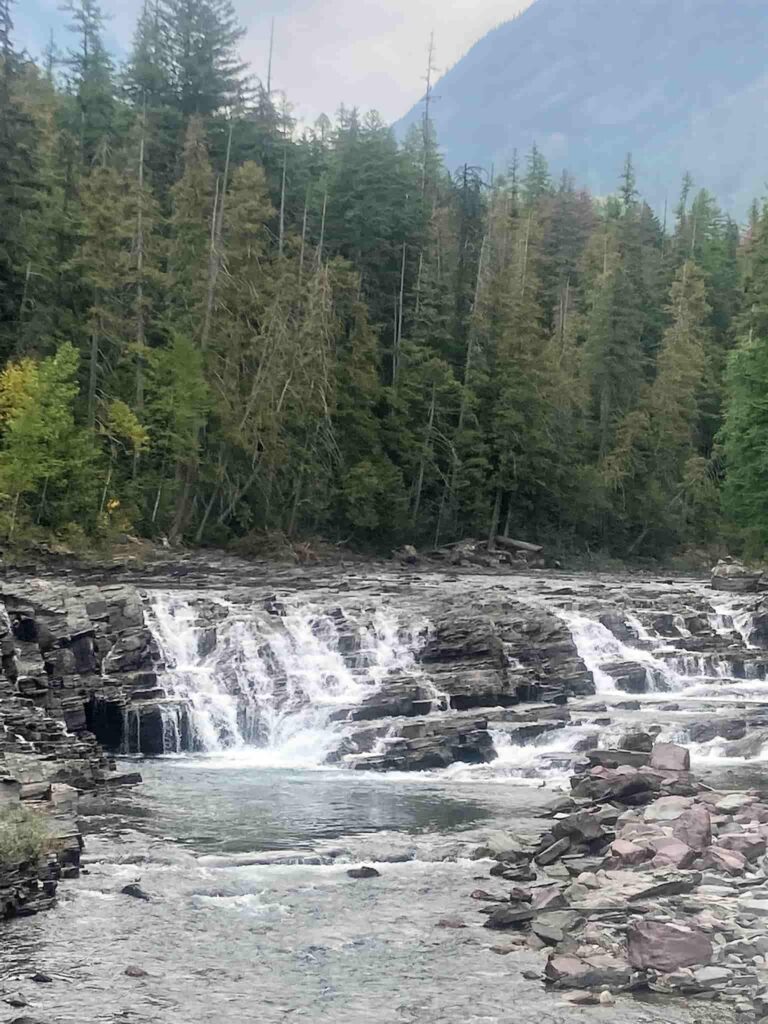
point(135, 972)
point(607, 998)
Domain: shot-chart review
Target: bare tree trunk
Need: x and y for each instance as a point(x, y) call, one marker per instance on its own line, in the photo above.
point(303, 238)
point(425, 452)
point(398, 325)
point(282, 204)
point(140, 323)
point(93, 374)
point(322, 231)
point(495, 521)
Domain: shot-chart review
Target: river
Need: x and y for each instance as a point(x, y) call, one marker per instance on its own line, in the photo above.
point(244, 846)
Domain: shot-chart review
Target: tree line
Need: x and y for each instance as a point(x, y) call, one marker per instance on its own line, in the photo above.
point(215, 323)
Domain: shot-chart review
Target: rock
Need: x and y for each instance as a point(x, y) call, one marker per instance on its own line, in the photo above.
point(606, 998)
point(749, 846)
point(694, 827)
point(671, 851)
point(16, 999)
point(41, 978)
point(363, 872)
point(502, 847)
point(136, 891)
point(669, 757)
point(550, 934)
point(734, 802)
point(629, 853)
point(615, 758)
point(666, 946)
point(670, 882)
point(553, 852)
point(712, 976)
point(451, 922)
point(587, 972)
point(637, 741)
point(509, 916)
point(735, 577)
point(581, 998)
point(581, 827)
point(728, 861)
point(667, 808)
point(135, 972)
point(549, 898)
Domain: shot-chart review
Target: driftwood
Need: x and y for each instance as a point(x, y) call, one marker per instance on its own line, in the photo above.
point(519, 545)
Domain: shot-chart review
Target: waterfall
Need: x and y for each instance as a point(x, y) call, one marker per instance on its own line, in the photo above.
point(273, 689)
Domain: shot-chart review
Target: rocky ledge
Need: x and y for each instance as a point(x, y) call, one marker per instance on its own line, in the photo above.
point(48, 756)
point(645, 879)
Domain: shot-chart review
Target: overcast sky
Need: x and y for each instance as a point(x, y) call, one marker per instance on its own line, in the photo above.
point(371, 53)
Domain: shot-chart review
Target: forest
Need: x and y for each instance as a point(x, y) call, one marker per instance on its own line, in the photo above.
point(217, 324)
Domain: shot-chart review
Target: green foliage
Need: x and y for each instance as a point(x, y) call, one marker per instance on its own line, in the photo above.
point(23, 836)
point(214, 325)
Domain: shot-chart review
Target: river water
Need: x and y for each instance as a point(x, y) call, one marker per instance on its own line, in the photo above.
point(244, 845)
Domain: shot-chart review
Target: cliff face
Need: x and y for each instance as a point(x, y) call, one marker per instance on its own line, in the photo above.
point(680, 85)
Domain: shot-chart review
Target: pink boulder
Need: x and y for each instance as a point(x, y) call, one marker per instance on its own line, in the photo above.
point(669, 757)
point(694, 827)
point(665, 946)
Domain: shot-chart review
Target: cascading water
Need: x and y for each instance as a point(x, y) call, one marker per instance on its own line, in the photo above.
point(276, 687)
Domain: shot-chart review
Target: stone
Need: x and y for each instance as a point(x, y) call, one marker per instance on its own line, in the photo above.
point(582, 827)
point(694, 828)
point(363, 872)
point(501, 846)
point(135, 891)
point(451, 922)
point(549, 898)
point(587, 972)
point(16, 999)
point(734, 577)
point(550, 934)
point(749, 846)
point(671, 851)
point(734, 802)
point(669, 757)
point(667, 808)
point(712, 976)
point(666, 946)
point(553, 852)
point(629, 853)
point(615, 758)
point(41, 978)
point(728, 861)
point(510, 916)
point(607, 998)
point(135, 972)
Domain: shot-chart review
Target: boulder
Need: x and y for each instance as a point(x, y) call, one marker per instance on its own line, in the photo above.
point(630, 854)
point(672, 852)
point(549, 898)
point(553, 852)
point(666, 946)
point(667, 808)
point(614, 758)
point(669, 757)
point(512, 915)
point(363, 872)
point(501, 846)
point(581, 827)
point(750, 846)
point(694, 828)
point(728, 861)
point(587, 972)
point(735, 577)
point(734, 802)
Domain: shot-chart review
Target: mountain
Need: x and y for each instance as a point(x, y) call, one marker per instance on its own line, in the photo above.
point(682, 84)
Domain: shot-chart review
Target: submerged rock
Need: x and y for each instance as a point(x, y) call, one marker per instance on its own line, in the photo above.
point(135, 891)
point(363, 872)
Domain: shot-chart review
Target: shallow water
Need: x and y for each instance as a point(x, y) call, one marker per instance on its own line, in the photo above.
point(234, 934)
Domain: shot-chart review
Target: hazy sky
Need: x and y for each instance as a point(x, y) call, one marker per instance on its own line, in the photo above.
point(368, 52)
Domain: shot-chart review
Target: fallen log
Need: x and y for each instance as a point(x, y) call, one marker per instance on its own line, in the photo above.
point(519, 545)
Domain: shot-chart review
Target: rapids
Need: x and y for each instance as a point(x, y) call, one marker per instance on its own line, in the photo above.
point(242, 833)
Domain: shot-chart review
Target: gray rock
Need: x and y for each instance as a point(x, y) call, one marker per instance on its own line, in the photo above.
point(553, 852)
point(670, 757)
point(667, 808)
point(363, 872)
point(712, 976)
point(509, 916)
point(587, 972)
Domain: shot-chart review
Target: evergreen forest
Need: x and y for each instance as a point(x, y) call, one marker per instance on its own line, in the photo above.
point(217, 324)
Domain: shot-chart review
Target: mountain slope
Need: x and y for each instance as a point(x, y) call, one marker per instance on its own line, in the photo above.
point(683, 84)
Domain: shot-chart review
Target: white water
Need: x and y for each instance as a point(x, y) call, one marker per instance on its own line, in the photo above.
point(268, 690)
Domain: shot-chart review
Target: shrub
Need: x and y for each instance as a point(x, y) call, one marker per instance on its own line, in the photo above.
point(23, 836)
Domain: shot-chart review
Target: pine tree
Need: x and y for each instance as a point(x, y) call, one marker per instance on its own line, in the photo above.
point(90, 80)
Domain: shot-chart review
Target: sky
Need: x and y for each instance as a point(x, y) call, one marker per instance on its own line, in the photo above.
point(368, 53)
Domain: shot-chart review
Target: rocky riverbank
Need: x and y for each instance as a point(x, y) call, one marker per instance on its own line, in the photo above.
point(646, 879)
